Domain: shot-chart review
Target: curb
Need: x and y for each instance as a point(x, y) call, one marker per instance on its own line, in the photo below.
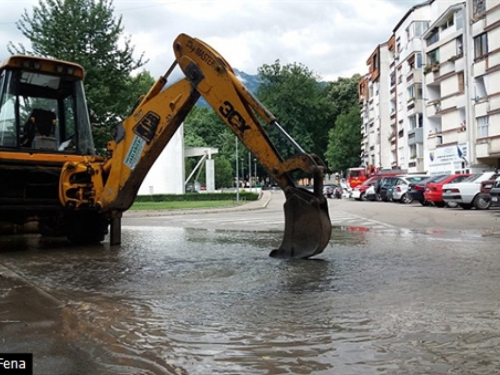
point(261, 203)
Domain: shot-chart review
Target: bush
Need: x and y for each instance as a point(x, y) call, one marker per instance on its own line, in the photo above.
point(244, 196)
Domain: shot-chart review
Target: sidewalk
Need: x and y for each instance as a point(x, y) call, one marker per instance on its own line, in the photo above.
point(258, 204)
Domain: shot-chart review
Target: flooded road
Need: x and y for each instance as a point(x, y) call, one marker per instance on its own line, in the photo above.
point(194, 301)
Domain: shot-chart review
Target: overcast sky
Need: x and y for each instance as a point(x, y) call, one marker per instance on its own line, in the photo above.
point(333, 38)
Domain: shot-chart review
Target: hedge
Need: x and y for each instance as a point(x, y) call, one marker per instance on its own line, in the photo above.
point(244, 196)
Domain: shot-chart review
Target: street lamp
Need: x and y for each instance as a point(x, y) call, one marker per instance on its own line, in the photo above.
point(243, 172)
point(249, 170)
point(255, 173)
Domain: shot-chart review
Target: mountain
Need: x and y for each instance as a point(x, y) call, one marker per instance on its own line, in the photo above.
point(251, 81)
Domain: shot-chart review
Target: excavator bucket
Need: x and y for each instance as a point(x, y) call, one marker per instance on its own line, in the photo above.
point(307, 224)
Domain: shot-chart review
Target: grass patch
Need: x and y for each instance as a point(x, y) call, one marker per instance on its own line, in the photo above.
point(180, 205)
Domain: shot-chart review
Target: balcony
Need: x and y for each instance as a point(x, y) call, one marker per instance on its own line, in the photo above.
point(431, 74)
point(479, 68)
point(478, 27)
point(448, 66)
point(481, 108)
point(434, 140)
point(432, 109)
point(415, 136)
point(417, 76)
point(416, 165)
point(460, 63)
point(486, 148)
point(414, 106)
point(456, 101)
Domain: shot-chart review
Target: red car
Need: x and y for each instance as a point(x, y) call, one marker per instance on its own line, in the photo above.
point(434, 190)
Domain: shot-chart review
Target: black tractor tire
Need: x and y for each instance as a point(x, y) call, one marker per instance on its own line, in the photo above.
point(86, 227)
point(51, 226)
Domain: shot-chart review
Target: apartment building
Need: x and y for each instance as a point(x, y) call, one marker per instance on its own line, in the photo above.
point(407, 98)
point(374, 99)
point(442, 71)
point(446, 104)
point(484, 94)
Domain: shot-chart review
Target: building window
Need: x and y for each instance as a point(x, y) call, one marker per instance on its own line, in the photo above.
point(459, 19)
point(448, 23)
point(460, 45)
point(416, 29)
point(415, 91)
point(433, 57)
point(375, 62)
point(481, 45)
point(413, 122)
point(480, 87)
point(418, 58)
point(421, 27)
point(482, 126)
point(479, 7)
point(416, 121)
point(433, 38)
point(413, 151)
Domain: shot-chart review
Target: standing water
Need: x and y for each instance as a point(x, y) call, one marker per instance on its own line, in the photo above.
point(179, 301)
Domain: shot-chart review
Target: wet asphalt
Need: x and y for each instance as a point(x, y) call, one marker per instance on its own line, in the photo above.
point(196, 293)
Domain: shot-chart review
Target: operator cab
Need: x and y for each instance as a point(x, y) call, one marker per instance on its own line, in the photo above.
point(43, 107)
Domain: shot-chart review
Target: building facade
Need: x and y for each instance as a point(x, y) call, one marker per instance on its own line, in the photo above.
point(441, 111)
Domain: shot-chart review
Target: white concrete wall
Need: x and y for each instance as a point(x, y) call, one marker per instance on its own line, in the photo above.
point(166, 176)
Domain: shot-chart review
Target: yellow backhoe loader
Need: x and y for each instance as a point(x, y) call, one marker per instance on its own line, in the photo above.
point(49, 171)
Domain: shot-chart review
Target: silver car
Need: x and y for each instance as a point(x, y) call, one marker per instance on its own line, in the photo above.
point(466, 193)
point(400, 189)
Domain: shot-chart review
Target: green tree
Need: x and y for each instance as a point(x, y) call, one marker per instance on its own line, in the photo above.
point(205, 126)
point(297, 98)
point(85, 32)
point(344, 144)
point(343, 94)
point(223, 172)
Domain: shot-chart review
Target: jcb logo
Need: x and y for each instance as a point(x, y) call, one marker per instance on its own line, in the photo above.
point(146, 127)
point(233, 117)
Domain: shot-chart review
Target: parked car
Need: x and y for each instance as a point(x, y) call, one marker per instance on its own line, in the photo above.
point(330, 190)
point(417, 189)
point(359, 192)
point(466, 193)
point(399, 191)
point(484, 190)
point(434, 189)
point(495, 194)
point(382, 188)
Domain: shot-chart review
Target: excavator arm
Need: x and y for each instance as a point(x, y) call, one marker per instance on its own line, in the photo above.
point(113, 185)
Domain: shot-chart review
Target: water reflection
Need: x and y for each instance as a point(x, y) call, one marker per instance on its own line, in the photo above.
point(180, 301)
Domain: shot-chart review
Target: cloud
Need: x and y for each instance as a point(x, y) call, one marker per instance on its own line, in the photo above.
point(331, 37)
